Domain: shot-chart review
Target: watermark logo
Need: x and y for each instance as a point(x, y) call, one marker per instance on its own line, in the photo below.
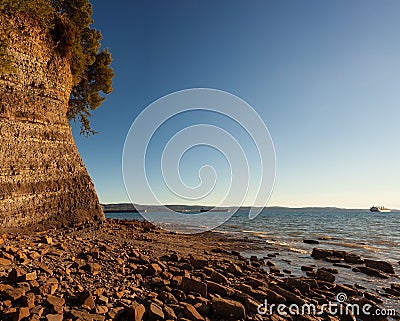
point(250, 182)
point(338, 308)
point(341, 297)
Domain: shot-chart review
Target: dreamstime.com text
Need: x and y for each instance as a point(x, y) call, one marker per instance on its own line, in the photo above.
point(332, 308)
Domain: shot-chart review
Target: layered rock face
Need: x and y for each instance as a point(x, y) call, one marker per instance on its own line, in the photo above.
point(42, 177)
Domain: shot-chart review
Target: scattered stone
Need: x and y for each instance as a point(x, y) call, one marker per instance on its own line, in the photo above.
point(47, 240)
point(154, 269)
point(4, 261)
point(219, 277)
point(21, 313)
point(191, 313)
point(198, 262)
point(380, 265)
point(228, 308)
point(54, 317)
point(55, 302)
point(309, 241)
point(307, 268)
point(189, 284)
point(321, 254)
point(136, 311)
point(353, 258)
point(93, 268)
point(371, 272)
point(30, 276)
point(86, 300)
point(155, 312)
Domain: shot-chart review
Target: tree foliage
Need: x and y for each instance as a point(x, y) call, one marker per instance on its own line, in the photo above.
point(69, 23)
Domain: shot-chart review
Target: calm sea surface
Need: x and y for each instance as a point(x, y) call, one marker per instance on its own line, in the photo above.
point(374, 235)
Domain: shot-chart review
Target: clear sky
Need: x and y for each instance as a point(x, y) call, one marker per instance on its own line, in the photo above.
point(323, 75)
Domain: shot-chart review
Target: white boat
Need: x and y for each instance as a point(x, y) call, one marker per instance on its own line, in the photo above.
point(380, 209)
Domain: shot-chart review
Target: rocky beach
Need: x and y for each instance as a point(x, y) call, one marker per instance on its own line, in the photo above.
point(132, 270)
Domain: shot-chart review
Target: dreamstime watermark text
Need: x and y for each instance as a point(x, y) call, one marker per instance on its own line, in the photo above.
point(340, 307)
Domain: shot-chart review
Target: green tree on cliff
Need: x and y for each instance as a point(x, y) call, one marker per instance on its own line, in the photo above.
point(69, 23)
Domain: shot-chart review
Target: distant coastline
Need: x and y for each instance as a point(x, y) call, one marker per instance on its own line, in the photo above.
point(134, 208)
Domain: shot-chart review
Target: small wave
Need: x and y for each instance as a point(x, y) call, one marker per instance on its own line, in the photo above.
point(356, 246)
point(293, 249)
point(277, 243)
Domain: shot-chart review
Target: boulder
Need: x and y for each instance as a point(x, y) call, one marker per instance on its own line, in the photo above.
point(379, 265)
point(193, 285)
point(228, 309)
point(320, 253)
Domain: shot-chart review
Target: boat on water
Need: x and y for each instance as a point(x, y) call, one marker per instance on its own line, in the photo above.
point(380, 209)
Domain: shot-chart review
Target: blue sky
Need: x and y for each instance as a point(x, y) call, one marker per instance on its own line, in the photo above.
point(323, 75)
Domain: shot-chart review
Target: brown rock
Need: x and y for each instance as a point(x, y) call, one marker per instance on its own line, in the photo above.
point(55, 301)
point(191, 313)
point(251, 305)
point(370, 271)
point(325, 275)
point(155, 312)
point(298, 284)
point(167, 297)
point(353, 258)
point(48, 288)
point(30, 276)
point(307, 268)
point(116, 313)
point(54, 317)
point(103, 299)
point(193, 285)
point(218, 277)
point(228, 308)
point(218, 288)
point(154, 269)
point(38, 310)
point(93, 268)
point(175, 257)
point(4, 261)
point(45, 268)
point(16, 274)
point(346, 289)
point(309, 241)
point(86, 300)
point(380, 266)
point(198, 262)
point(14, 294)
point(169, 313)
point(373, 297)
point(272, 296)
point(289, 296)
point(47, 240)
point(234, 268)
point(28, 300)
point(101, 309)
point(21, 313)
point(320, 253)
point(136, 311)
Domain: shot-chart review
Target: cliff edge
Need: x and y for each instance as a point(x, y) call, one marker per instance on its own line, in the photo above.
point(42, 176)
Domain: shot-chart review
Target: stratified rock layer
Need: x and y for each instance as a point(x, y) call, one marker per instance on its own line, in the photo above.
point(42, 177)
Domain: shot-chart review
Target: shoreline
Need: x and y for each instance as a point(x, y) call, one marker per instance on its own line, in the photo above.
point(133, 270)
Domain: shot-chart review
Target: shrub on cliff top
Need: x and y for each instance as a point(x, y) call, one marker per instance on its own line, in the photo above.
point(69, 23)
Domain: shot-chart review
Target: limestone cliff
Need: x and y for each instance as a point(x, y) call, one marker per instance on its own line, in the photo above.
point(42, 177)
